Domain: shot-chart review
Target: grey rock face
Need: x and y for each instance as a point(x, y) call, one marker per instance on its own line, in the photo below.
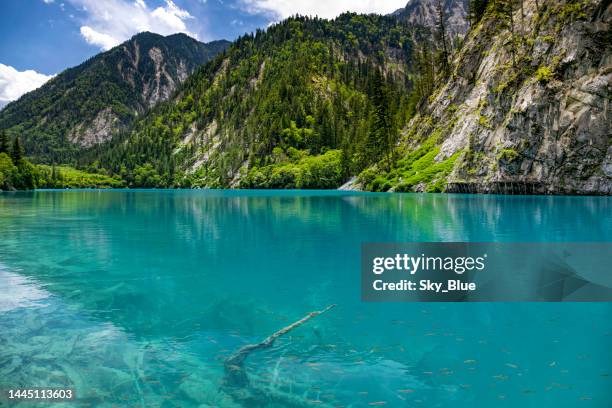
point(540, 124)
point(425, 13)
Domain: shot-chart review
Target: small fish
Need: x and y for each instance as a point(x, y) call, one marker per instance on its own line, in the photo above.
point(585, 398)
point(552, 364)
point(362, 393)
point(378, 403)
point(511, 365)
point(469, 361)
point(500, 377)
point(406, 391)
point(528, 391)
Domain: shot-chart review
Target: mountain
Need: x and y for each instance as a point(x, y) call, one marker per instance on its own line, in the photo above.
point(86, 105)
point(524, 108)
point(426, 13)
point(519, 105)
point(303, 104)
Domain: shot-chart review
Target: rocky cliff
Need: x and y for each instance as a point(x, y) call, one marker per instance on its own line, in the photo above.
point(426, 13)
point(525, 110)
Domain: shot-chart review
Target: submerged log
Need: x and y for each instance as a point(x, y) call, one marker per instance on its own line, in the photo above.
point(237, 380)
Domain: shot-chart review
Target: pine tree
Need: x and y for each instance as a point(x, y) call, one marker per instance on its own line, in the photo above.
point(345, 161)
point(17, 151)
point(424, 72)
point(505, 9)
point(4, 142)
point(443, 37)
point(476, 10)
point(381, 137)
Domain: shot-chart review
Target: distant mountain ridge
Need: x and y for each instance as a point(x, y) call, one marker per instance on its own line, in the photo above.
point(87, 104)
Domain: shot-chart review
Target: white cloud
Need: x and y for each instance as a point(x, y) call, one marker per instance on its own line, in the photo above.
point(110, 22)
point(15, 83)
point(104, 41)
point(48, 1)
point(325, 9)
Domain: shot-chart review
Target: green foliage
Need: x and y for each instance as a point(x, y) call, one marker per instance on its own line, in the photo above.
point(8, 172)
point(417, 167)
point(23, 175)
point(507, 155)
point(16, 151)
point(147, 176)
point(68, 177)
point(572, 10)
point(4, 142)
point(544, 75)
point(307, 172)
point(382, 136)
point(17, 175)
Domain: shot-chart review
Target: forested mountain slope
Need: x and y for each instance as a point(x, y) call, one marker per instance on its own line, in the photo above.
point(524, 107)
point(85, 105)
point(304, 104)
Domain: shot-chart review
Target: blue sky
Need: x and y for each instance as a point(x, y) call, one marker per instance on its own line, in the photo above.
point(41, 38)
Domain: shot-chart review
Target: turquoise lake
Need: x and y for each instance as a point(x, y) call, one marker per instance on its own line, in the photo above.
point(135, 298)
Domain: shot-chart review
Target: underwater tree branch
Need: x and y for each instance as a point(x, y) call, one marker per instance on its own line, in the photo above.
point(235, 375)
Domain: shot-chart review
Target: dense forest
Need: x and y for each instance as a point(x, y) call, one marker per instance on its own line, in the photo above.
point(304, 104)
point(18, 173)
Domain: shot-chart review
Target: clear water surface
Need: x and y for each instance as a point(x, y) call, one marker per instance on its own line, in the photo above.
point(135, 298)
